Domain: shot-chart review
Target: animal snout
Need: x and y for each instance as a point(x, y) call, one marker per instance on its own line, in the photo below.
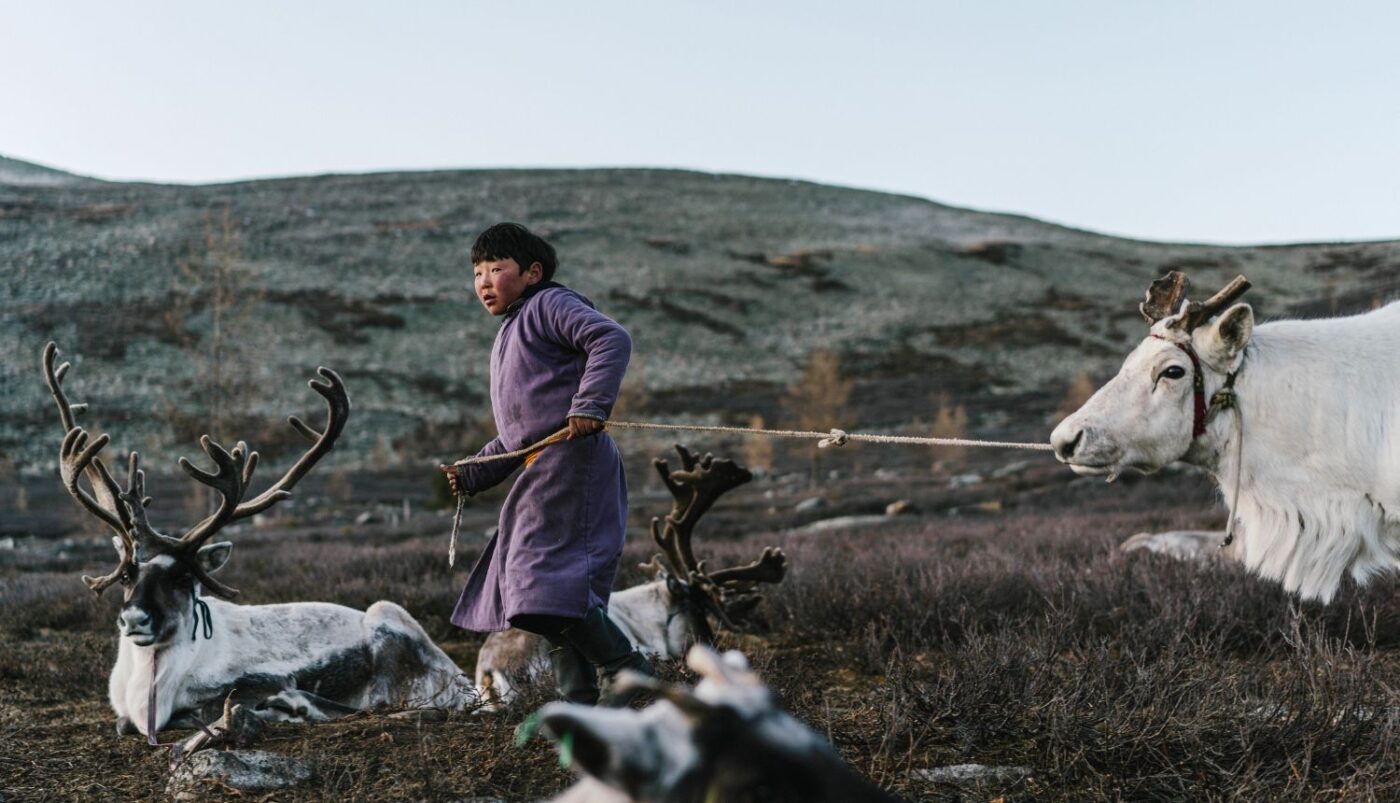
point(1065, 440)
point(134, 620)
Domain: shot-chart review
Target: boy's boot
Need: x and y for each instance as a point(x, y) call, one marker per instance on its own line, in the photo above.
point(606, 647)
point(574, 676)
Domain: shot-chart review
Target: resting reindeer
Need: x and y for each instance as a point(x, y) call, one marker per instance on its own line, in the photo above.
point(1313, 445)
point(181, 652)
point(664, 617)
point(726, 740)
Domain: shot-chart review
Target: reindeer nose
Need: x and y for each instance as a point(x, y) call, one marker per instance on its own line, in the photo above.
point(1065, 445)
point(134, 619)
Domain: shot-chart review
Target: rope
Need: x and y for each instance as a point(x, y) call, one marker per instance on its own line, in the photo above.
point(834, 437)
point(1239, 471)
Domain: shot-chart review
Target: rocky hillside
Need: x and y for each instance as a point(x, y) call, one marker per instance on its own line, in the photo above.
point(193, 308)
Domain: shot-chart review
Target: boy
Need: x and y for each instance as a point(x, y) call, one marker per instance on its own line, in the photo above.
point(550, 567)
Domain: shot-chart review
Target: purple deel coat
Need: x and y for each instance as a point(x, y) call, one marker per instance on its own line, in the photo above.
point(562, 524)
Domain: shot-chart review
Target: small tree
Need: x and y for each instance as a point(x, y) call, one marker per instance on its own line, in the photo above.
point(758, 451)
point(950, 422)
point(818, 400)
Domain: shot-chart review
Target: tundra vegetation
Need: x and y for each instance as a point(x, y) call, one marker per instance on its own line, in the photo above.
point(1019, 638)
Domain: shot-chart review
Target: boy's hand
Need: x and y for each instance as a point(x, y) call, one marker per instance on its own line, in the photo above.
point(451, 472)
point(580, 427)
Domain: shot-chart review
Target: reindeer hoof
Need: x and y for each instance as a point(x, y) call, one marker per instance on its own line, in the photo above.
point(125, 727)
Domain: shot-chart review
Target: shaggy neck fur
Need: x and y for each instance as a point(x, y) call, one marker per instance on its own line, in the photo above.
point(1320, 489)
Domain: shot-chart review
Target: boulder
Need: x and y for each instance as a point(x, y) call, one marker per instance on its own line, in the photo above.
point(255, 772)
point(977, 777)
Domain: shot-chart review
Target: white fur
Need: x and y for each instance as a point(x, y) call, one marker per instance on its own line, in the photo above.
point(650, 752)
point(275, 640)
point(1320, 484)
point(1197, 545)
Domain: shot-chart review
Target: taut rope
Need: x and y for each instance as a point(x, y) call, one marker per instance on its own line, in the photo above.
point(833, 437)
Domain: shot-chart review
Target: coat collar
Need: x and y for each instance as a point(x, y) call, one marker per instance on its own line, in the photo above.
point(537, 287)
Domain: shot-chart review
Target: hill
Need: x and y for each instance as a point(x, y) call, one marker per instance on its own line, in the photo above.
point(194, 308)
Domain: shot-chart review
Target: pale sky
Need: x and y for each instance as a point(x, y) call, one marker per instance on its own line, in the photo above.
point(1227, 122)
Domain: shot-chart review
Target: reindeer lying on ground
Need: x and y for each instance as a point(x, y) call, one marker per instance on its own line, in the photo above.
point(726, 740)
point(1194, 545)
point(181, 653)
point(663, 617)
point(1308, 460)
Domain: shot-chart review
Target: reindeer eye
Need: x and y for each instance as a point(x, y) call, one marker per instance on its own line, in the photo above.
point(1172, 372)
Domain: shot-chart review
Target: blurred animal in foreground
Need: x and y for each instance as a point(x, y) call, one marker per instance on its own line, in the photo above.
point(1300, 416)
point(182, 652)
point(726, 740)
point(664, 617)
point(1198, 545)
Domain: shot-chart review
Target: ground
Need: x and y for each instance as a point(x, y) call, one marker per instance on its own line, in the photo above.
point(1001, 626)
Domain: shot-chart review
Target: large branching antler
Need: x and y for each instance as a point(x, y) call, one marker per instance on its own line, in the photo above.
point(729, 593)
point(78, 454)
point(77, 457)
point(1165, 295)
point(694, 489)
point(227, 476)
point(125, 511)
point(234, 470)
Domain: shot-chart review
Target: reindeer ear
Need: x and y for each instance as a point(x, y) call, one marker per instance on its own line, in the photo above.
point(1222, 342)
point(674, 585)
point(212, 557)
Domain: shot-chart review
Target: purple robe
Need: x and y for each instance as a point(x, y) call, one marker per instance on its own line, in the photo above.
point(562, 525)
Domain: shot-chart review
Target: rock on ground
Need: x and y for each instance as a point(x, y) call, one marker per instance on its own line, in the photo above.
point(251, 771)
point(977, 776)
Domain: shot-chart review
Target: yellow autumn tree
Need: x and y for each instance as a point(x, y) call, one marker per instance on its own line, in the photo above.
point(819, 400)
point(1079, 392)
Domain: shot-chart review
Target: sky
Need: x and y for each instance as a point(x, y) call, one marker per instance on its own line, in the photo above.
point(1220, 122)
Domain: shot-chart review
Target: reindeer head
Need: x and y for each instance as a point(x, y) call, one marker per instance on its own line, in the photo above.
point(161, 574)
point(1153, 411)
point(725, 740)
point(728, 595)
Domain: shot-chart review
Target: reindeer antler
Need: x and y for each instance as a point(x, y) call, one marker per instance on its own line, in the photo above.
point(1197, 314)
point(234, 470)
point(1164, 298)
point(695, 487)
point(125, 511)
point(78, 456)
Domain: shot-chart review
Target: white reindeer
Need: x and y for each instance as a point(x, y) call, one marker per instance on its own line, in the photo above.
point(662, 618)
point(725, 740)
point(1184, 545)
point(1309, 461)
point(181, 652)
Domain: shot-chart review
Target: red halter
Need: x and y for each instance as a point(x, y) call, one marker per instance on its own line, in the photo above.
point(1198, 385)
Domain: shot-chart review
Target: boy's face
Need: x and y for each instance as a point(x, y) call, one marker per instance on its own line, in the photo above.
point(499, 283)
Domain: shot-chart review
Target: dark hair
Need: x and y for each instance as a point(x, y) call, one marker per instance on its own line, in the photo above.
point(514, 241)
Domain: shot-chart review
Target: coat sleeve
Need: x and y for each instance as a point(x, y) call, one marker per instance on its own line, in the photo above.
point(606, 347)
point(477, 477)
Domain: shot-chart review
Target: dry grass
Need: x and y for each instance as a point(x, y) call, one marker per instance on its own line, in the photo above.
point(1022, 639)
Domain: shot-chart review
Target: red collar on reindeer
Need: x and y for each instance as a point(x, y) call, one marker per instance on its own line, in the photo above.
point(1220, 400)
point(1165, 298)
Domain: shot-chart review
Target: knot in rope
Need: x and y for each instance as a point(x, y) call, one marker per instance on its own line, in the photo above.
point(837, 437)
